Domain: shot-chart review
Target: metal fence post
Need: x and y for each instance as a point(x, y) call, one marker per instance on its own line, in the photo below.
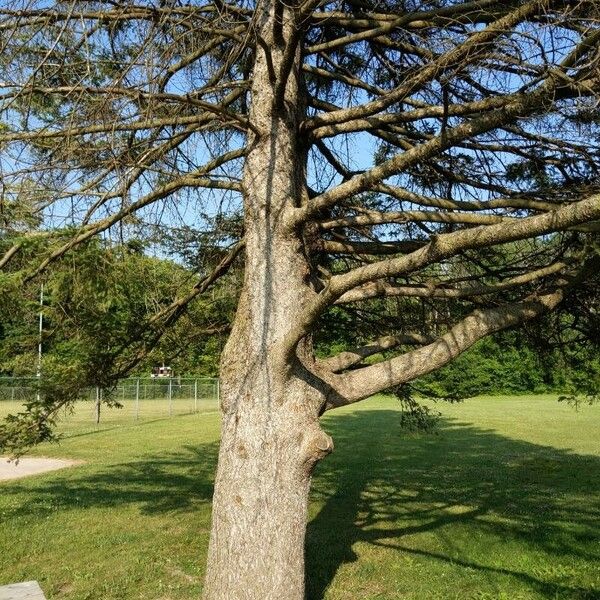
point(137, 400)
point(154, 391)
point(98, 397)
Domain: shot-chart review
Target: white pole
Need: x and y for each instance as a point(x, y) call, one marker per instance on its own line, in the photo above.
point(170, 397)
point(41, 331)
point(195, 395)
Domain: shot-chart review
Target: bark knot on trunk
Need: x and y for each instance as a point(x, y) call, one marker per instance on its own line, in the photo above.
point(316, 446)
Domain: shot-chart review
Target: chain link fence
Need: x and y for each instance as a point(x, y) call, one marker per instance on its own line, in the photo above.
point(137, 399)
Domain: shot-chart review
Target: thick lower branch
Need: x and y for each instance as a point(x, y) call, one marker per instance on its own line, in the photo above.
point(362, 383)
point(346, 360)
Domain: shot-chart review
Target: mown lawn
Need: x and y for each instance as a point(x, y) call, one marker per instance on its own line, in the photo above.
point(503, 502)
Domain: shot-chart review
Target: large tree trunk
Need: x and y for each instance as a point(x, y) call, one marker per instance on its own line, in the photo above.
point(270, 443)
point(271, 438)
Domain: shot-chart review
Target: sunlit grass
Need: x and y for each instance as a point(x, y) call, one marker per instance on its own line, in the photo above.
point(82, 417)
point(503, 502)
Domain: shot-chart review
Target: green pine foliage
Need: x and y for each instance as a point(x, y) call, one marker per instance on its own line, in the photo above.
point(495, 365)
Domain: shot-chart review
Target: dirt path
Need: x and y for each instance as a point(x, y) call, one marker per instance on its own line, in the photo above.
point(31, 466)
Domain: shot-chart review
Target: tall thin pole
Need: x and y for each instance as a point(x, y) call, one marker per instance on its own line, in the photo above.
point(195, 395)
point(98, 402)
point(137, 399)
point(170, 397)
point(40, 333)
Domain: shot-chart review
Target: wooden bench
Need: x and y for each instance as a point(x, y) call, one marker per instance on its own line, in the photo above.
point(28, 590)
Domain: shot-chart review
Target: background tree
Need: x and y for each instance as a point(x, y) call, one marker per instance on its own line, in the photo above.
point(255, 122)
point(99, 324)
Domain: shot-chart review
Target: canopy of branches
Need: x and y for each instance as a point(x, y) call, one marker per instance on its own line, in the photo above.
point(448, 155)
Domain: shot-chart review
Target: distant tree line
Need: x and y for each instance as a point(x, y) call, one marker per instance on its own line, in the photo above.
point(104, 313)
point(99, 307)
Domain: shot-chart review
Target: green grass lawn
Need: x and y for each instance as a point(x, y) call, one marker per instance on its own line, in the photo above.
point(82, 418)
point(503, 502)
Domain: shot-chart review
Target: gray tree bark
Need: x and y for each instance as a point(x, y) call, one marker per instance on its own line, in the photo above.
point(271, 438)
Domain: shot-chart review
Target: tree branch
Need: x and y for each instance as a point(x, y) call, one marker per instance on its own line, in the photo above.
point(356, 385)
point(476, 44)
point(351, 358)
point(443, 290)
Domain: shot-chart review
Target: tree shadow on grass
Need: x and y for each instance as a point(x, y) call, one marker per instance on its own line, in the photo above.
point(382, 485)
point(169, 482)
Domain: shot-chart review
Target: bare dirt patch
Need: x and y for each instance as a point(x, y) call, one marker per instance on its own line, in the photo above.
point(31, 466)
